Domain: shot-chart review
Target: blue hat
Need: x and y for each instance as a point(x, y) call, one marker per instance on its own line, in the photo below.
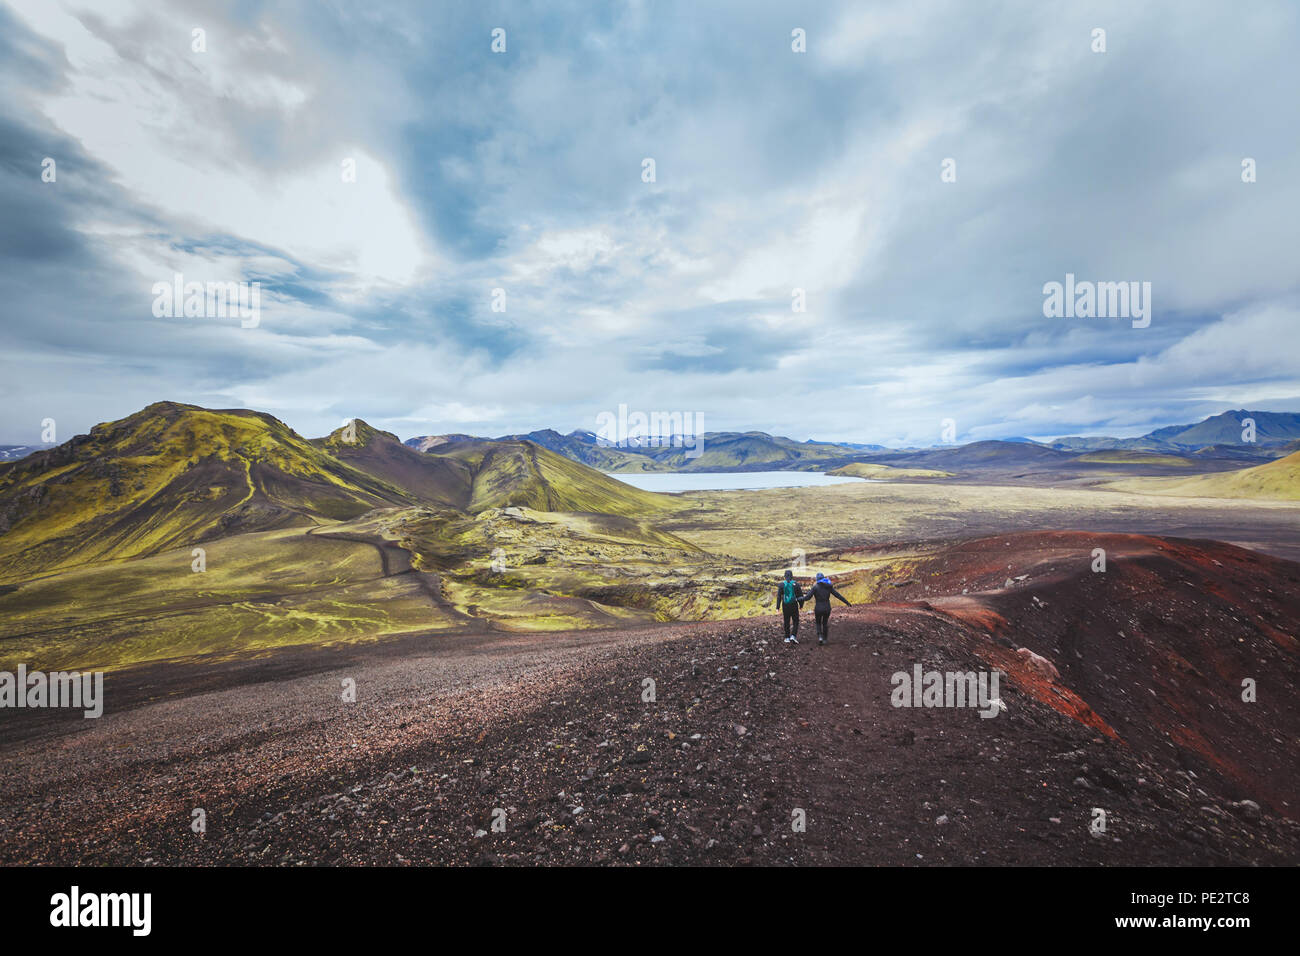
point(822, 577)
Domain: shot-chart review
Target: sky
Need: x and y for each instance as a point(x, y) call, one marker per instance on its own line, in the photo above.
point(501, 260)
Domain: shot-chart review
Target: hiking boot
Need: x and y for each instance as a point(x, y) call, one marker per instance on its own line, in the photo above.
point(821, 640)
point(792, 639)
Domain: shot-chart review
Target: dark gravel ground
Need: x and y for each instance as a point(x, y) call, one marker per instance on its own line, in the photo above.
point(542, 750)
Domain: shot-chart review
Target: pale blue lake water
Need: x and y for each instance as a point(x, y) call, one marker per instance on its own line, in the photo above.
point(670, 481)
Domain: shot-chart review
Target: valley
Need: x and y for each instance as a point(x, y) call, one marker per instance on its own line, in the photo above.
point(357, 538)
point(497, 609)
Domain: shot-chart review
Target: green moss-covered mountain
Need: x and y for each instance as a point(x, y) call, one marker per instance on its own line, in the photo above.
point(167, 476)
point(522, 474)
point(173, 475)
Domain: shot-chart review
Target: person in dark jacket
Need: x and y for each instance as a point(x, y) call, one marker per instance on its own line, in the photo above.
point(821, 592)
point(789, 599)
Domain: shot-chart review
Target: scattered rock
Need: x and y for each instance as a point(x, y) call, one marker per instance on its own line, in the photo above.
point(1039, 664)
point(1247, 809)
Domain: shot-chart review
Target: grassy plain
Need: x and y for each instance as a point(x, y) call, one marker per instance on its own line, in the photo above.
point(695, 556)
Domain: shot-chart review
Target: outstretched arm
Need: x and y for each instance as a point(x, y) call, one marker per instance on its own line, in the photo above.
point(840, 596)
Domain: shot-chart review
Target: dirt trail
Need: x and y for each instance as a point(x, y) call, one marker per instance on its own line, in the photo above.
point(553, 738)
point(394, 560)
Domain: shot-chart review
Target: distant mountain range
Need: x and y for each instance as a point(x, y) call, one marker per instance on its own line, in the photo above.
point(1225, 429)
point(172, 475)
point(1218, 437)
point(14, 452)
point(716, 451)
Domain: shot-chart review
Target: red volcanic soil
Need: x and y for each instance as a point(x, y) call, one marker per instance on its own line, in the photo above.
point(744, 737)
point(1157, 645)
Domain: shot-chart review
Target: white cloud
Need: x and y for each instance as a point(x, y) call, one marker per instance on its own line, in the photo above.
point(775, 171)
point(152, 120)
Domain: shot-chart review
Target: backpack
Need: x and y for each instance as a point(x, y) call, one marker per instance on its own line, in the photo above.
point(787, 592)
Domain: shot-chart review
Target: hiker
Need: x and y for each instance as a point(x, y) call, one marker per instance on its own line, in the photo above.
point(789, 599)
point(821, 592)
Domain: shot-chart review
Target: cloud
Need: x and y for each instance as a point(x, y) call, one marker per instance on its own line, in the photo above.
point(775, 171)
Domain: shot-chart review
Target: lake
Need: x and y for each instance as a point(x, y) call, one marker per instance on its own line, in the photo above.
point(670, 481)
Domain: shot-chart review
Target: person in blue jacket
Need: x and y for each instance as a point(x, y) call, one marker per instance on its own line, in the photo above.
point(820, 593)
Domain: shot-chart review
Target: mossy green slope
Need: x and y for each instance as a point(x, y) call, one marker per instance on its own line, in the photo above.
point(861, 469)
point(171, 476)
point(174, 475)
point(525, 475)
point(1279, 480)
point(258, 591)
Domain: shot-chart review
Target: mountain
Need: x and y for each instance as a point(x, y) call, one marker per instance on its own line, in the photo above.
point(748, 451)
point(760, 451)
point(510, 473)
point(175, 476)
point(583, 447)
point(980, 455)
point(425, 442)
point(721, 451)
point(429, 479)
point(756, 450)
point(1103, 443)
point(858, 446)
point(14, 452)
point(169, 476)
point(1226, 429)
point(1221, 431)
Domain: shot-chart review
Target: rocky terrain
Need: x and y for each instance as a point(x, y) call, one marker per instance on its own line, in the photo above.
point(545, 749)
